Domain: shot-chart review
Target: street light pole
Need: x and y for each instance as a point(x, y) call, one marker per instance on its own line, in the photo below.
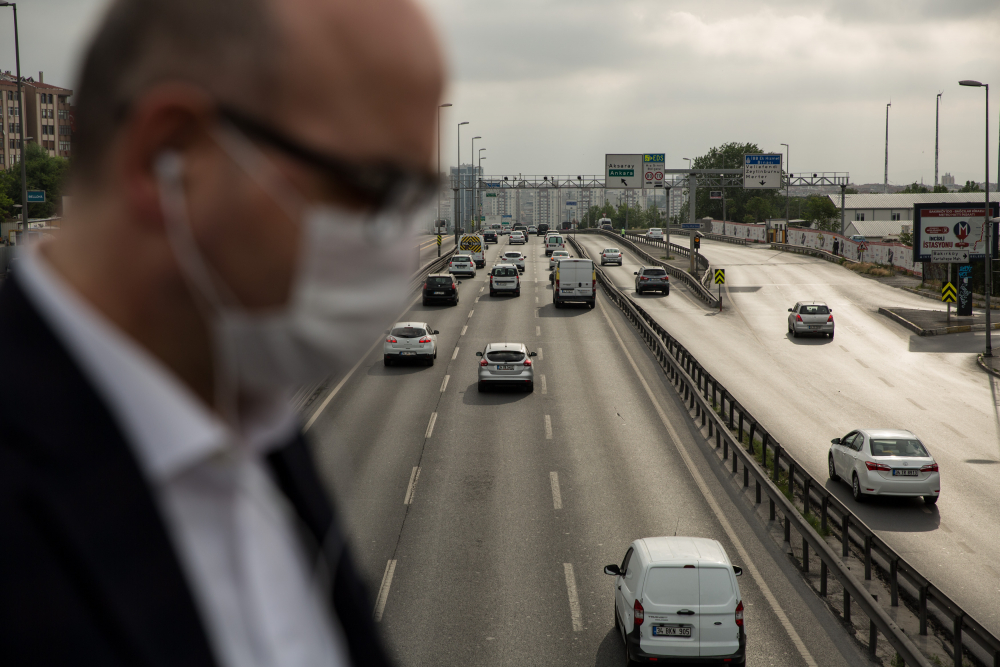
point(472, 190)
point(788, 183)
point(885, 187)
point(437, 222)
point(988, 225)
point(458, 181)
point(477, 213)
point(20, 124)
point(937, 132)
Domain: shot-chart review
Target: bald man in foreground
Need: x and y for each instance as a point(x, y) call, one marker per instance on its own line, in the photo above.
point(245, 177)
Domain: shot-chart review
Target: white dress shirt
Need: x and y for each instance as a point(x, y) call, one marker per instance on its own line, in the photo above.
point(230, 525)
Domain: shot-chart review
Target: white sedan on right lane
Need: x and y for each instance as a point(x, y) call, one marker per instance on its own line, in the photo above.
point(885, 462)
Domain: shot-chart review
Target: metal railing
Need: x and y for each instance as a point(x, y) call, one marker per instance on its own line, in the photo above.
point(713, 236)
point(736, 432)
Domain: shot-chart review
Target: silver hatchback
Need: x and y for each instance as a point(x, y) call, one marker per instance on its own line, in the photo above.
point(506, 365)
point(813, 317)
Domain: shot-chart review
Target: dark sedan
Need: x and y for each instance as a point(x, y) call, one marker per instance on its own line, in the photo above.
point(441, 287)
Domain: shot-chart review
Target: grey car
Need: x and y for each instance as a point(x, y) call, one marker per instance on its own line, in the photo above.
point(813, 317)
point(506, 365)
point(651, 279)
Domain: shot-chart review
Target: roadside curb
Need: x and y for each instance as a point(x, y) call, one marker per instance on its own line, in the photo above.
point(961, 328)
point(985, 366)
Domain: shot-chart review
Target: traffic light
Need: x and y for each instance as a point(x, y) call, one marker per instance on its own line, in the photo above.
point(697, 242)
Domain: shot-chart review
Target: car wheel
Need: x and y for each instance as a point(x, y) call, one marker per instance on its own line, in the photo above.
point(430, 362)
point(666, 292)
point(455, 302)
point(856, 489)
point(531, 387)
point(795, 334)
point(517, 293)
point(590, 304)
point(387, 361)
point(425, 302)
point(492, 293)
point(931, 500)
point(556, 303)
point(833, 469)
point(482, 387)
point(831, 335)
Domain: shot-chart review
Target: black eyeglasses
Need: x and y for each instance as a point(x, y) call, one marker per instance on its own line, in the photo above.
point(383, 186)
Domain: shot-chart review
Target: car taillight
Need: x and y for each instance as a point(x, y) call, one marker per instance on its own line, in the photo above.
point(455, 286)
point(933, 467)
point(739, 614)
point(483, 363)
point(798, 318)
point(645, 278)
point(425, 339)
point(527, 362)
point(829, 319)
point(425, 284)
point(639, 612)
point(872, 465)
point(390, 339)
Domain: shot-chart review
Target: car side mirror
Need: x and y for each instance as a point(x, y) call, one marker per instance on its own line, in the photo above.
point(479, 354)
point(791, 310)
point(635, 273)
point(831, 310)
point(737, 570)
point(436, 332)
point(835, 441)
point(532, 354)
point(612, 569)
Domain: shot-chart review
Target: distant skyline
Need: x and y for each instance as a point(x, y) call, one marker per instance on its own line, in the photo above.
point(553, 86)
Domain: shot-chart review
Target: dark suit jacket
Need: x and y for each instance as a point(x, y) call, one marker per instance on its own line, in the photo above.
point(88, 575)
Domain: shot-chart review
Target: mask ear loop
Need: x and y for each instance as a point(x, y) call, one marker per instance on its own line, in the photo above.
point(211, 296)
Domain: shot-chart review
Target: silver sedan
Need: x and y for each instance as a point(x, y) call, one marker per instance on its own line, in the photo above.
point(813, 317)
point(506, 365)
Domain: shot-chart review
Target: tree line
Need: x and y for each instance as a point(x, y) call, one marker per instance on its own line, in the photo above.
point(44, 172)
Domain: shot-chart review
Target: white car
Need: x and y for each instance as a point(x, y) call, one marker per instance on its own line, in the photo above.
point(532, 230)
point(556, 256)
point(677, 598)
point(554, 242)
point(654, 234)
point(505, 278)
point(513, 257)
point(885, 462)
point(410, 341)
point(517, 237)
point(611, 256)
point(463, 265)
point(813, 317)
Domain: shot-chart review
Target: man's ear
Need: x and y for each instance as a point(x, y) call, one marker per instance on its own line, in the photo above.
point(169, 117)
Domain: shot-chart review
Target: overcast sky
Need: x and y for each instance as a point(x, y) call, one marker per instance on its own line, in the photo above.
point(553, 85)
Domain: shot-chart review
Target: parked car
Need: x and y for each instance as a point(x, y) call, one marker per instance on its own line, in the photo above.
point(490, 236)
point(506, 365)
point(554, 242)
point(654, 234)
point(575, 280)
point(677, 598)
point(611, 256)
point(462, 265)
point(885, 462)
point(518, 238)
point(555, 257)
point(651, 279)
point(514, 257)
point(410, 341)
point(505, 278)
point(813, 317)
point(441, 287)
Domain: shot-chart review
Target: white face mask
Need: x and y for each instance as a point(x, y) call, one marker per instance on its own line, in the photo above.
point(350, 281)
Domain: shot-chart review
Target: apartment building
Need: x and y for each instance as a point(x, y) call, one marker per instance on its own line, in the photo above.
point(48, 117)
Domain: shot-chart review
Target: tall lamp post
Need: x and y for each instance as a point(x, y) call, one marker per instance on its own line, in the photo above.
point(885, 187)
point(458, 181)
point(788, 183)
point(937, 132)
point(477, 212)
point(437, 222)
point(20, 124)
point(472, 189)
point(987, 227)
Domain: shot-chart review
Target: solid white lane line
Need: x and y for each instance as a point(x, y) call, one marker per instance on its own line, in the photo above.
point(713, 504)
point(556, 495)
point(430, 425)
point(464, 329)
point(455, 353)
point(470, 313)
point(444, 383)
point(538, 331)
point(574, 600)
point(411, 488)
point(545, 389)
point(548, 427)
point(383, 590)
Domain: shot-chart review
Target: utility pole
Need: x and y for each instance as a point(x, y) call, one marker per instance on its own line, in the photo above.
point(886, 186)
point(20, 124)
point(937, 130)
point(437, 223)
point(458, 181)
point(472, 188)
point(788, 183)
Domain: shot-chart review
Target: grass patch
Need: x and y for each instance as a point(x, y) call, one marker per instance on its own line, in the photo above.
point(877, 270)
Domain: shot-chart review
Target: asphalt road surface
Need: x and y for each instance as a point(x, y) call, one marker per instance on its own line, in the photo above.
point(873, 374)
point(484, 521)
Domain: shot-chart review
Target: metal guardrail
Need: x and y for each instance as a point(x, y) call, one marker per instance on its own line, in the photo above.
point(680, 274)
point(680, 250)
point(711, 400)
point(802, 250)
point(432, 266)
point(713, 236)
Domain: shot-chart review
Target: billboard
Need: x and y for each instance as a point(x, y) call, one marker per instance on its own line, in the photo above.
point(952, 227)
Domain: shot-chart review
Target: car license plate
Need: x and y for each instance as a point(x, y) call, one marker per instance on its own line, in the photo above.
point(813, 327)
point(439, 292)
point(904, 473)
point(666, 631)
point(407, 354)
point(505, 368)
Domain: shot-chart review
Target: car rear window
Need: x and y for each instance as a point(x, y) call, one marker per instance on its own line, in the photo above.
point(655, 229)
point(514, 254)
point(408, 332)
point(439, 280)
point(813, 310)
point(555, 239)
point(716, 586)
point(654, 272)
point(611, 250)
point(672, 585)
point(897, 447)
point(505, 356)
point(504, 271)
point(561, 253)
point(461, 258)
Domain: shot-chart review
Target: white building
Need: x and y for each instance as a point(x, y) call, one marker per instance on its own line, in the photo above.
point(881, 215)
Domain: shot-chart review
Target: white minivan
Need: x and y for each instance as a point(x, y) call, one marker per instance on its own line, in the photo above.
point(677, 598)
point(574, 280)
point(554, 242)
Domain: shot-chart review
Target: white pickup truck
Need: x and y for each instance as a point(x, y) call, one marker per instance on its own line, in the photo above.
point(574, 280)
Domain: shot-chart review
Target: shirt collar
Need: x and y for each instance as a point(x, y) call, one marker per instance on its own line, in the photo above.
point(168, 426)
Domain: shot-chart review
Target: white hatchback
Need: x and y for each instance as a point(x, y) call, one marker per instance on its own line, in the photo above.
point(513, 257)
point(555, 257)
point(517, 237)
point(655, 234)
point(885, 462)
point(410, 341)
point(677, 598)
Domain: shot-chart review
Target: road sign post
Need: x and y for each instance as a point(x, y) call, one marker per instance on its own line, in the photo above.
point(964, 293)
point(948, 293)
point(720, 280)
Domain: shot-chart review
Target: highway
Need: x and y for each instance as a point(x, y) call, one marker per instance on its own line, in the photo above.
point(426, 248)
point(874, 373)
point(484, 521)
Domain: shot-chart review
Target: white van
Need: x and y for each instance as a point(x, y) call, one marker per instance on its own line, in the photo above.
point(554, 242)
point(677, 597)
point(574, 280)
point(475, 246)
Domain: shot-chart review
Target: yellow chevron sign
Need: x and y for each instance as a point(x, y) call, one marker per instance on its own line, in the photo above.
point(720, 276)
point(948, 293)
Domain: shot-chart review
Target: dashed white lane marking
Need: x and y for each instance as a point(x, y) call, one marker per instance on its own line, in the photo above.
point(482, 288)
point(470, 313)
point(454, 354)
point(536, 310)
point(540, 354)
point(574, 600)
point(430, 425)
point(464, 329)
point(712, 503)
point(916, 404)
point(556, 495)
point(383, 590)
point(548, 427)
point(545, 389)
point(538, 331)
point(444, 383)
point(477, 299)
point(411, 488)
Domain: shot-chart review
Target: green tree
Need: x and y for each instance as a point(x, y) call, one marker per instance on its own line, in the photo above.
point(915, 188)
point(940, 188)
point(823, 212)
point(44, 172)
point(730, 156)
point(971, 186)
point(759, 208)
point(850, 191)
